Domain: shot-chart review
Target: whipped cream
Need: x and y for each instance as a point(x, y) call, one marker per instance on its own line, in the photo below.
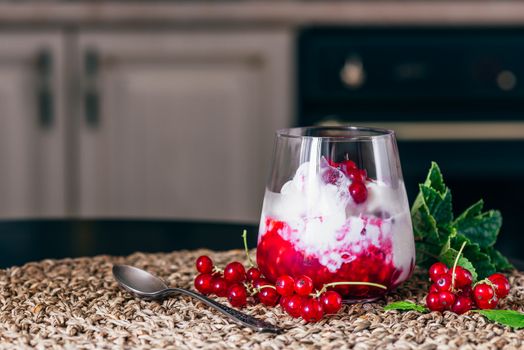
point(324, 221)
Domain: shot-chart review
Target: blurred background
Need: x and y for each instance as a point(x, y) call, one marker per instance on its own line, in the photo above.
point(148, 125)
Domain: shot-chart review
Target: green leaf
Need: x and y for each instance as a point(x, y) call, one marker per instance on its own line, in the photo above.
point(424, 224)
point(427, 253)
point(405, 305)
point(509, 318)
point(427, 237)
point(439, 206)
point(439, 237)
point(432, 217)
point(482, 228)
point(471, 212)
point(435, 179)
point(448, 257)
point(499, 260)
point(472, 251)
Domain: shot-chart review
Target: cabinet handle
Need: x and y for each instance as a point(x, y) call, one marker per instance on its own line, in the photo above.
point(91, 96)
point(44, 93)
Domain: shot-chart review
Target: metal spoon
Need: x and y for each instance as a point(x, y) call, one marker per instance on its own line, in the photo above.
point(145, 285)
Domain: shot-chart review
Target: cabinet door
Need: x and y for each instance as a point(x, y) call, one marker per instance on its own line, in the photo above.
point(31, 125)
point(180, 125)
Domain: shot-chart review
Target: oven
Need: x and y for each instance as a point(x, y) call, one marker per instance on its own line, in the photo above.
point(453, 95)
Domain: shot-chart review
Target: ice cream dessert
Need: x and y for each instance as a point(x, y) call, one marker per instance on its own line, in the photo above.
point(332, 223)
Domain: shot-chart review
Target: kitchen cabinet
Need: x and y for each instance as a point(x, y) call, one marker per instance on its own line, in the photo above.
point(178, 124)
point(32, 125)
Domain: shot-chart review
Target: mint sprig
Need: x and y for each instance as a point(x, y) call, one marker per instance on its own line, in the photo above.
point(438, 236)
point(405, 306)
point(510, 318)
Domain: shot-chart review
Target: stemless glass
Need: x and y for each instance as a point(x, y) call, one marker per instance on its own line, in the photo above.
point(336, 210)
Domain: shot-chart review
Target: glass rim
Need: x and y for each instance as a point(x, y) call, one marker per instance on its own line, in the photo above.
point(373, 133)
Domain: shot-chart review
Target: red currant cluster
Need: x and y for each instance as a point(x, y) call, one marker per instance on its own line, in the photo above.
point(358, 177)
point(296, 296)
point(452, 289)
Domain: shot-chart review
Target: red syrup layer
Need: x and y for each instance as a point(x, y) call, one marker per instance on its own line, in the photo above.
point(277, 256)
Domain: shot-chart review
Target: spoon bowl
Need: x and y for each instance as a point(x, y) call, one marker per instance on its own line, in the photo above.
point(148, 286)
point(138, 282)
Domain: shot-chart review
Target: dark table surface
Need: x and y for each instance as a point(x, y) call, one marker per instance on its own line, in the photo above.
point(29, 240)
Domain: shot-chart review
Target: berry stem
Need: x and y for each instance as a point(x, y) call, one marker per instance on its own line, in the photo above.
point(486, 281)
point(259, 289)
point(455, 265)
point(249, 261)
point(266, 286)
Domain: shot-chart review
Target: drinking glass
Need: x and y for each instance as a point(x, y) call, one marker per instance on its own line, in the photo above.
point(336, 210)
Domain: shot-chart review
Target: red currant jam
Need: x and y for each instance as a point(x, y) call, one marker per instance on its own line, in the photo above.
point(277, 256)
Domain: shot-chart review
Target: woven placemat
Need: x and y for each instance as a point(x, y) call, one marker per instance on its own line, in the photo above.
point(75, 303)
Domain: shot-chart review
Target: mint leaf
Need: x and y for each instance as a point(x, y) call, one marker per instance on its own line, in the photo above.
point(482, 228)
point(473, 252)
point(448, 257)
point(427, 253)
point(434, 179)
point(427, 237)
point(471, 212)
point(499, 260)
point(424, 225)
point(405, 305)
point(509, 318)
point(439, 237)
point(439, 206)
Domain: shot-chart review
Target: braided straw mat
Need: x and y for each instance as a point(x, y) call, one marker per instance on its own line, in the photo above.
point(75, 303)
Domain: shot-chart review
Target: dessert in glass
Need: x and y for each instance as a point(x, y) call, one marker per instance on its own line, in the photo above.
point(335, 209)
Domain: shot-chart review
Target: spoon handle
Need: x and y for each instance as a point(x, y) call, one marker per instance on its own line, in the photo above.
point(241, 317)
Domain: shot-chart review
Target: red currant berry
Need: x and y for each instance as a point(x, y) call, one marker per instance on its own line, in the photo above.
point(204, 264)
point(219, 286)
point(496, 275)
point(434, 288)
point(446, 299)
point(346, 165)
point(358, 191)
point(443, 282)
point(203, 283)
point(260, 282)
point(303, 285)
point(462, 277)
point(436, 270)
point(268, 296)
point(462, 304)
point(488, 304)
point(237, 295)
point(253, 274)
point(331, 302)
point(356, 175)
point(433, 302)
point(235, 272)
point(483, 292)
point(312, 310)
point(501, 284)
point(285, 285)
point(294, 305)
point(465, 291)
point(283, 301)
